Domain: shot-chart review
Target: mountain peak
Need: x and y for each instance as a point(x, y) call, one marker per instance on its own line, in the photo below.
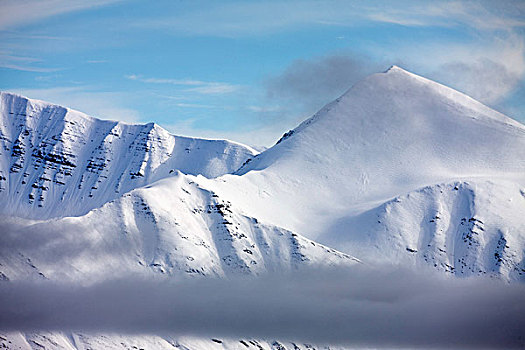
point(401, 128)
point(393, 68)
point(400, 90)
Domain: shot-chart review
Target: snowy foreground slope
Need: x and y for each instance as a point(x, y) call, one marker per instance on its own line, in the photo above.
point(73, 341)
point(399, 169)
point(146, 233)
point(55, 161)
point(174, 227)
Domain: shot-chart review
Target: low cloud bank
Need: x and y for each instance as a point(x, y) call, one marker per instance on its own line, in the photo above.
point(359, 306)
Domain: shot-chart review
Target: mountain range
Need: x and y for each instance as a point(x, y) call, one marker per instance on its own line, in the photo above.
point(398, 170)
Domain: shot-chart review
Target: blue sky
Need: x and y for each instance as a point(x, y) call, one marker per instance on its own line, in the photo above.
point(250, 70)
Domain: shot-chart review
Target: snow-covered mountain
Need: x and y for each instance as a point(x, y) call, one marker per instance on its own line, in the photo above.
point(55, 161)
point(390, 134)
point(174, 227)
point(399, 169)
point(394, 136)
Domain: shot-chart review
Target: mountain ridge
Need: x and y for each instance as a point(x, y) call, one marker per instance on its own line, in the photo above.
point(52, 153)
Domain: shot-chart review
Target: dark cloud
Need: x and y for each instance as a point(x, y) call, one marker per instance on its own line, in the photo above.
point(307, 85)
point(359, 306)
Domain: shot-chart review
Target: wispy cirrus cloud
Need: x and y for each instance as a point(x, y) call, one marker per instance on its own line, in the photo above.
point(242, 19)
point(165, 81)
point(198, 86)
point(214, 88)
point(10, 34)
point(197, 105)
point(18, 13)
point(20, 44)
point(23, 63)
point(485, 15)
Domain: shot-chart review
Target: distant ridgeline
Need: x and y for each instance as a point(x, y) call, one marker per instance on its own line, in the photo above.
point(55, 161)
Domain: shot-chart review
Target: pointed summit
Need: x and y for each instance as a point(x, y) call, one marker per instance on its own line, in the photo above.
point(389, 134)
point(398, 90)
point(394, 68)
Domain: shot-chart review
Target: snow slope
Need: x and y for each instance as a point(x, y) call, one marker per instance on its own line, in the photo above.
point(174, 227)
point(390, 134)
point(464, 227)
point(84, 341)
point(55, 161)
